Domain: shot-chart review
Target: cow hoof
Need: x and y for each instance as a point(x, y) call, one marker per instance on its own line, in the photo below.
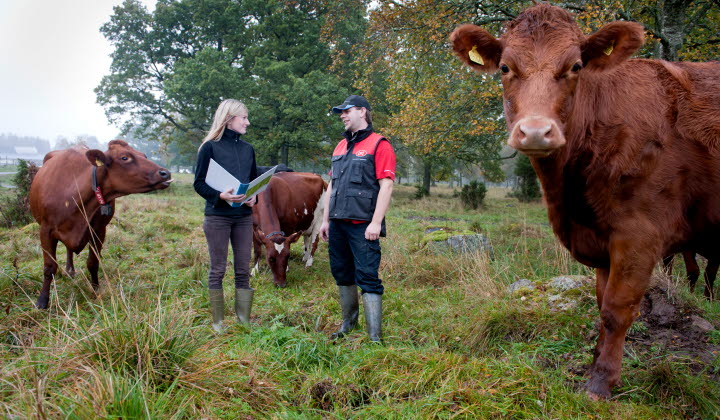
point(281, 285)
point(42, 303)
point(597, 391)
point(309, 262)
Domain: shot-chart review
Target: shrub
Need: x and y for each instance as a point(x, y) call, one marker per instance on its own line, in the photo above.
point(420, 192)
point(15, 207)
point(473, 194)
point(528, 188)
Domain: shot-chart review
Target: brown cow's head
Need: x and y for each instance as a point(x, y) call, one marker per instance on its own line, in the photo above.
point(542, 56)
point(277, 248)
point(128, 170)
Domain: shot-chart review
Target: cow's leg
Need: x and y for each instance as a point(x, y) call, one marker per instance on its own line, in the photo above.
point(306, 246)
point(630, 271)
point(601, 280)
point(257, 253)
point(49, 247)
point(96, 243)
point(69, 264)
point(710, 274)
point(316, 239)
point(309, 249)
point(692, 268)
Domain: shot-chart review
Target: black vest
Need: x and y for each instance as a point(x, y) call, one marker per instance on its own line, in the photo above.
point(355, 186)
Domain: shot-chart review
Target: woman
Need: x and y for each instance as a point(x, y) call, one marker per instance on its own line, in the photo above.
point(223, 222)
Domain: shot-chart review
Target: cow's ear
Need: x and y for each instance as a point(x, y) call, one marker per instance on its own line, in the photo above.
point(612, 44)
point(477, 48)
point(294, 237)
point(98, 158)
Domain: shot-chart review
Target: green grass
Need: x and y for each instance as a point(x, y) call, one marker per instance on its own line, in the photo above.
point(457, 345)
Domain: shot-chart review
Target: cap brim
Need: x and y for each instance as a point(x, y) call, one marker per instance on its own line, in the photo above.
point(341, 108)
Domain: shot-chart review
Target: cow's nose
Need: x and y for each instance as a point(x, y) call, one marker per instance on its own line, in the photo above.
point(164, 173)
point(534, 134)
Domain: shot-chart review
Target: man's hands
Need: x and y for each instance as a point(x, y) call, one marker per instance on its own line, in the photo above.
point(373, 231)
point(324, 229)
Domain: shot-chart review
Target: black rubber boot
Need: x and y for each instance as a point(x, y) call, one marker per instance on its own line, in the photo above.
point(349, 306)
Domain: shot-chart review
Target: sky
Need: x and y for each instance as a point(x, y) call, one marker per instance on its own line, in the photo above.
point(52, 56)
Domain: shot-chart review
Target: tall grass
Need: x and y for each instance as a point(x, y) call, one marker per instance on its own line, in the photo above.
point(457, 345)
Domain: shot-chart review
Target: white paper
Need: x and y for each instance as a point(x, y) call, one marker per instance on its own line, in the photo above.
point(220, 179)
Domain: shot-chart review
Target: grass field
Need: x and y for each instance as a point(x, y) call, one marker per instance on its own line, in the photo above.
point(457, 343)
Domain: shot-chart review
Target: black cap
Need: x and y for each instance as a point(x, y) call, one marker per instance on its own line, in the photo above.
point(351, 101)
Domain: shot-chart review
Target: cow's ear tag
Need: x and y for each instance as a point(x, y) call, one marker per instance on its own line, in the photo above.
point(475, 56)
point(99, 162)
point(609, 49)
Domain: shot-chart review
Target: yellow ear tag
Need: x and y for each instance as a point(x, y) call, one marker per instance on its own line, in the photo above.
point(609, 49)
point(475, 56)
point(98, 162)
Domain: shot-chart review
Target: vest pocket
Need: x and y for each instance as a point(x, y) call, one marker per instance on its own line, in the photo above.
point(356, 171)
point(359, 204)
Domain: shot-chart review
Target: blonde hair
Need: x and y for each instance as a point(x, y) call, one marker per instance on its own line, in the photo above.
point(227, 109)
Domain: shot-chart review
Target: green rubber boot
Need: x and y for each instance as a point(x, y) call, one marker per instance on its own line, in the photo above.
point(217, 308)
point(349, 306)
point(372, 306)
point(243, 304)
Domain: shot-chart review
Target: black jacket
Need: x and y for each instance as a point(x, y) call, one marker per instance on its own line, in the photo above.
point(238, 158)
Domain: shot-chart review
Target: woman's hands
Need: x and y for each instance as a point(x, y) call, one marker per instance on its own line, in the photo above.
point(237, 198)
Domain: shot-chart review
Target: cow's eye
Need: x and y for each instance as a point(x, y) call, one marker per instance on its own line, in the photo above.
point(125, 158)
point(505, 69)
point(576, 67)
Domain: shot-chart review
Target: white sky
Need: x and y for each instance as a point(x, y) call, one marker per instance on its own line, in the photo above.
point(52, 56)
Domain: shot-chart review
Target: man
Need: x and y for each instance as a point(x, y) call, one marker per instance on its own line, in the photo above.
point(357, 198)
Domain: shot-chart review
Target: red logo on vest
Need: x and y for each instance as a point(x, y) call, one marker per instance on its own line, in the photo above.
point(361, 153)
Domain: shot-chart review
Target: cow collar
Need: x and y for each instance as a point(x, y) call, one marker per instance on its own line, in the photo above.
point(105, 209)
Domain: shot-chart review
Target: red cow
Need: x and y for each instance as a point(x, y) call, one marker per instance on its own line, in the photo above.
point(72, 197)
point(291, 206)
point(627, 151)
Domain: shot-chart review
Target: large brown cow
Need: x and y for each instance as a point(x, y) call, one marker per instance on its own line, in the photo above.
point(72, 197)
point(627, 151)
point(291, 206)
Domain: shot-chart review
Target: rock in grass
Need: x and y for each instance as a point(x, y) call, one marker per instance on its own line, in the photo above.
point(442, 241)
point(564, 283)
point(521, 285)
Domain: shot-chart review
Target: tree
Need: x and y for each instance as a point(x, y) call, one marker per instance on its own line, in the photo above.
point(173, 66)
point(440, 111)
point(528, 188)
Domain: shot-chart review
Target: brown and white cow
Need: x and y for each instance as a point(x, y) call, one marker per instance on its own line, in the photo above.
point(291, 206)
point(73, 205)
point(627, 151)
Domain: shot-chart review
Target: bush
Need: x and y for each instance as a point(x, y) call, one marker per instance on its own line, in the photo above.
point(15, 207)
point(420, 192)
point(473, 194)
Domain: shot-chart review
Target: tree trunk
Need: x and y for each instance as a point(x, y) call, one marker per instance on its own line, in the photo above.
point(427, 171)
point(284, 154)
point(671, 18)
